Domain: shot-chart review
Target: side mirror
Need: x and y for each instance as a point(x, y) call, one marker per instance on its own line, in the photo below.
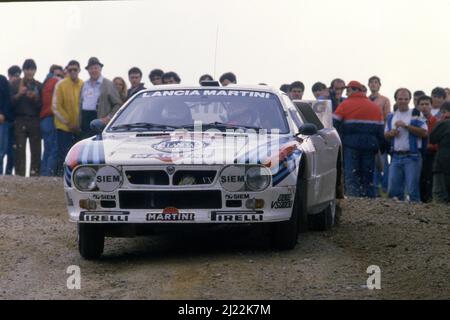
point(308, 129)
point(97, 126)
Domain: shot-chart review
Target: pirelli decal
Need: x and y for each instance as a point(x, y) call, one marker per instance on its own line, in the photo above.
point(109, 217)
point(237, 216)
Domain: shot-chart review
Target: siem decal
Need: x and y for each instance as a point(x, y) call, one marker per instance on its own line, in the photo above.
point(232, 178)
point(108, 179)
point(237, 196)
point(104, 197)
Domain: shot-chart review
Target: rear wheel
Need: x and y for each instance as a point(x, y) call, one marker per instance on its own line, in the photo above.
point(323, 220)
point(91, 240)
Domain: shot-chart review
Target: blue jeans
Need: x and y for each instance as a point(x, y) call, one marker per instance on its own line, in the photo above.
point(385, 179)
point(48, 132)
point(359, 167)
point(65, 141)
point(405, 172)
point(4, 138)
point(382, 177)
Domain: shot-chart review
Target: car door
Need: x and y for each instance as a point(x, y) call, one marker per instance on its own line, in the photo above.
point(323, 186)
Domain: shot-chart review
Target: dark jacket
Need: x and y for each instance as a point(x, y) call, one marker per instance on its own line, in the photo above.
point(5, 100)
point(360, 123)
point(132, 91)
point(441, 136)
point(23, 105)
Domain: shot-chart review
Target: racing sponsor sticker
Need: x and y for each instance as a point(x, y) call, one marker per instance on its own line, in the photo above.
point(108, 179)
point(213, 92)
point(238, 196)
point(104, 197)
point(236, 216)
point(170, 214)
point(284, 201)
point(177, 146)
point(104, 216)
point(232, 178)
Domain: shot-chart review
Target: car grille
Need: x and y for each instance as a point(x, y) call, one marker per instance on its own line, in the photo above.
point(147, 177)
point(204, 199)
point(180, 177)
point(199, 177)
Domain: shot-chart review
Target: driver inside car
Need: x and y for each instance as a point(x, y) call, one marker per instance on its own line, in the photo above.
point(176, 115)
point(243, 115)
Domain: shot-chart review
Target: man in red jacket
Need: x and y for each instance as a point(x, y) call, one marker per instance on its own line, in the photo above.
point(360, 124)
point(48, 130)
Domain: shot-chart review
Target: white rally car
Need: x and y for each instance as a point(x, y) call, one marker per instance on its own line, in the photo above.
point(206, 155)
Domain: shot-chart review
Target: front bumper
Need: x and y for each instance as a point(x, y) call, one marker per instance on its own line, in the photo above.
point(233, 208)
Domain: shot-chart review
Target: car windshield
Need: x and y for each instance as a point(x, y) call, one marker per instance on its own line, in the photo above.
point(168, 110)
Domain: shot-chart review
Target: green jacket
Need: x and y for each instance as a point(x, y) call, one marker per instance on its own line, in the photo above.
point(109, 101)
point(441, 136)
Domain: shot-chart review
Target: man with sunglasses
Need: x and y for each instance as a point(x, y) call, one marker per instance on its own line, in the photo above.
point(336, 92)
point(48, 129)
point(65, 106)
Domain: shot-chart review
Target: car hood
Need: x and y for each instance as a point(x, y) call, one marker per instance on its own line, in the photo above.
point(188, 148)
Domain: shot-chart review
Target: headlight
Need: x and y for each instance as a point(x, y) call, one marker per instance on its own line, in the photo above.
point(84, 179)
point(257, 178)
point(240, 178)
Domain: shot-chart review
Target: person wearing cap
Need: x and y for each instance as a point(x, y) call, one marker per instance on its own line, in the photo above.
point(359, 122)
point(405, 133)
point(26, 97)
point(99, 98)
point(441, 136)
point(48, 129)
point(66, 110)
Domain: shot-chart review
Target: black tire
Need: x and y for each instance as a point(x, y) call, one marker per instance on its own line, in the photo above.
point(300, 206)
point(285, 234)
point(91, 241)
point(323, 220)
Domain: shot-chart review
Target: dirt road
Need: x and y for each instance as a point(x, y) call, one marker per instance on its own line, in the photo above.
point(410, 244)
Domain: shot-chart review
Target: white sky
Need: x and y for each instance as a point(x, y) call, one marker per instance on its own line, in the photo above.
point(406, 43)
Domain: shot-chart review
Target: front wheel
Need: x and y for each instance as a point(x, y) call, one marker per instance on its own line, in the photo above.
point(285, 234)
point(323, 220)
point(91, 240)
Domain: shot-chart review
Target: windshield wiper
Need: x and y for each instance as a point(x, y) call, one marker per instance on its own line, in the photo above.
point(221, 125)
point(143, 125)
